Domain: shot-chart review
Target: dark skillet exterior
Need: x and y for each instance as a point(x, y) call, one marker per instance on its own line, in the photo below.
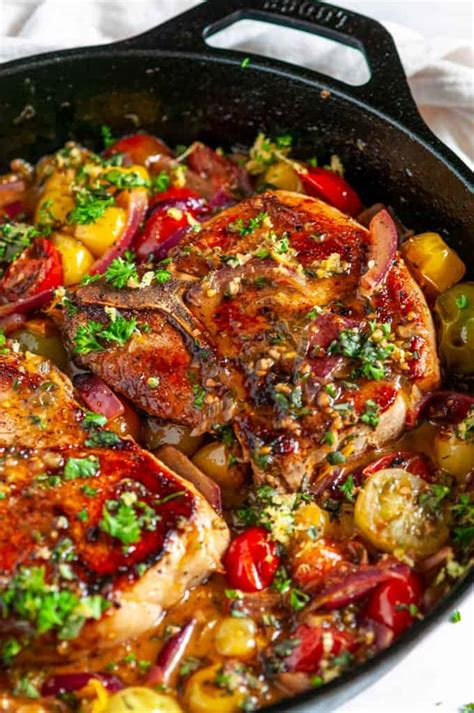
point(170, 82)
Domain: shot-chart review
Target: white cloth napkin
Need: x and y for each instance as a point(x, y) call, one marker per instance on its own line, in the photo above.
point(439, 69)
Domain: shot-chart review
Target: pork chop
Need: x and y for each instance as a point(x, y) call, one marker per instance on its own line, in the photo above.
point(272, 334)
point(97, 537)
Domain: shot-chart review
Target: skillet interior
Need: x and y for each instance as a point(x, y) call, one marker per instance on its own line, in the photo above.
point(184, 91)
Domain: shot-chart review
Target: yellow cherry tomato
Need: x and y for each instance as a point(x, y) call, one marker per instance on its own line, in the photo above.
point(392, 512)
point(282, 175)
point(104, 232)
point(77, 259)
point(203, 695)
point(138, 699)
point(56, 200)
point(236, 637)
point(436, 266)
point(454, 455)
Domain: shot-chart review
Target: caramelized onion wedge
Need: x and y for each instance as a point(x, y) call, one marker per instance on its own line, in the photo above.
point(382, 251)
point(28, 304)
point(97, 396)
point(69, 682)
point(170, 655)
point(181, 465)
point(445, 407)
point(354, 583)
point(136, 203)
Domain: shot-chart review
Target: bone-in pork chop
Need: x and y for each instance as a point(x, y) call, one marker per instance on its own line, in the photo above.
point(262, 323)
point(98, 536)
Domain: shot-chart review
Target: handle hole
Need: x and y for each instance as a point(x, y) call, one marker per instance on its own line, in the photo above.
point(300, 47)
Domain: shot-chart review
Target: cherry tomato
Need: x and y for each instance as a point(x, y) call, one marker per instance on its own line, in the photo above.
point(316, 642)
point(415, 463)
point(251, 560)
point(173, 193)
point(37, 269)
point(138, 148)
point(160, 230)
point(332, 188)
point(389, 604)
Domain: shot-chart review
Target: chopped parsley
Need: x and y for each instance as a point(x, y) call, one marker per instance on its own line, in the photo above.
point(107, 138)
point(162, 276)
point(462, 301)
point(102, 439)
point(93, 420)
point(347, 488)
point(370, 415)
point(246, 228)
point(199, 395)
point(26, 687)
point(121, 270)
point(125, 518)
point(14, 238)
point(90, 336)
point(361, 347)
point(81, 468)
point(188, 665)
point(91, 205)
point(463, 515)
point(432, 499)
point(47, 607)
point(245, 62)
point(455, 616)
point(160, 183)
point(124, 179)
point(335, 458)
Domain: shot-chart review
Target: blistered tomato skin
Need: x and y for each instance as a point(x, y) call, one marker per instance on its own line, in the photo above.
point(37, 269)
point(395, 603)
point(332, 188)
point(251, 560)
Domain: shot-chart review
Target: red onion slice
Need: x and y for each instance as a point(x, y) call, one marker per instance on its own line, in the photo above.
point(28, 304)
point(382, 251)
point(12, 322)
point(170, 655)
point(97, 396)
point(354, 583)
point(70, 682)
point(137, 204)
point(445, 406)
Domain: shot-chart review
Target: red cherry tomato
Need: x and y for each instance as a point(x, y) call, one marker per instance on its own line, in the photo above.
point(415, 463)
point(332, 188)
point(316, 642)
point(159, 231)
point(389, 603)
point(138, 148)
point(181, 197)
point(251, 560)
point(37, 269)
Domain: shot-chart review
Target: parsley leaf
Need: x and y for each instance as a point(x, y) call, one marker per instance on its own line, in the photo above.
point(81, 468)
point(90, 206)
point(121, 270)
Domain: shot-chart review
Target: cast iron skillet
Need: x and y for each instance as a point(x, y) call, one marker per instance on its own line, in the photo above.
point(170, 82)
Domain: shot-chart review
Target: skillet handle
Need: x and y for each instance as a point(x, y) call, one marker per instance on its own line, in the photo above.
point(386, 91)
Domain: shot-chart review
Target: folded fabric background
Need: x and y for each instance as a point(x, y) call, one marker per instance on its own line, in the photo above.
point(436, 677)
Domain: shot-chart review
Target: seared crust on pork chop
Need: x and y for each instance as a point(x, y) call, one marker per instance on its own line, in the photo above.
point(275, 337)
point(102, 535)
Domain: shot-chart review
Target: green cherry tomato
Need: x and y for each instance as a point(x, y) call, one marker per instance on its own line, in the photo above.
point(455, 311)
